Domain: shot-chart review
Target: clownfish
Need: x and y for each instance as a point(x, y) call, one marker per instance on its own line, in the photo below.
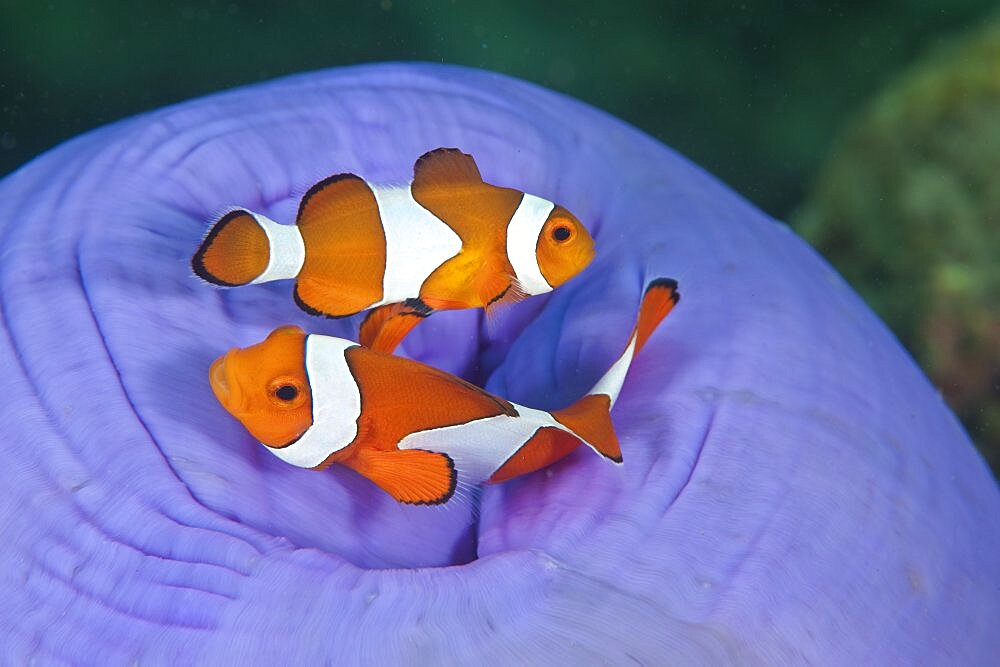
point(415, 431)
point(445, 241)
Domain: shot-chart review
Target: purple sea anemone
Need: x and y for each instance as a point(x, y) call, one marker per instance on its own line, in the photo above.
point(793, 488)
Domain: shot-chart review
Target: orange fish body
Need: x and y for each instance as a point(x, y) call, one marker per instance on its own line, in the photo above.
point(415, 431)
point(447, 240)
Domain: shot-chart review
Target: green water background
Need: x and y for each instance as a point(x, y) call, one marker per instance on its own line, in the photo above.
point(767, 95)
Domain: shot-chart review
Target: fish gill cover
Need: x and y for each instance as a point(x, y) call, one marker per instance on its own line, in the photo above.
point(793, 489)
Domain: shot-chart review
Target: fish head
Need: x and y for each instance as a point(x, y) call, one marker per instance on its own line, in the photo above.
point(564, 247)
point(265, 386)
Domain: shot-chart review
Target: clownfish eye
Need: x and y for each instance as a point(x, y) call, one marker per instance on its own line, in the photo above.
point(561, 233)
point(286, 392)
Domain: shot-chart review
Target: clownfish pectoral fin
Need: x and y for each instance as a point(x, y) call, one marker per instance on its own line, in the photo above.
point(445, 166)
point(455, 284)
point(449, 286)
point(496, 307)
point(385, 327)
point(498, 292)
point(235, 251)
point(412, 476)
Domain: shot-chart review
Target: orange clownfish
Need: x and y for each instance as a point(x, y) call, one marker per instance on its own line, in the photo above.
point(415, 431)
point(447, 240)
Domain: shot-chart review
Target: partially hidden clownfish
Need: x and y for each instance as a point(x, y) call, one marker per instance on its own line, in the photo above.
point(415, 431)
point(445, 241)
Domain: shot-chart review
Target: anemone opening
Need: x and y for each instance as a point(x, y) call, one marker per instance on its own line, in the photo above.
point(349, 517)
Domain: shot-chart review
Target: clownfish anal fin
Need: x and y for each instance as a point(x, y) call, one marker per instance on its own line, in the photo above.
point(385, 327)
point(445, 166)
point(412, 476)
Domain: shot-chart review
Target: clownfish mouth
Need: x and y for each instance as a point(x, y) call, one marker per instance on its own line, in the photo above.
point(219, 379)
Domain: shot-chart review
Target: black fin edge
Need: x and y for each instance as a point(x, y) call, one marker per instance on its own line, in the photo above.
point(499, 296)
point(198, 261)
point(435, 151)
point(321, 185)
point(419, 308)
point(451, 487)
point(312, 311)
point(667, 283)
point(443, 149)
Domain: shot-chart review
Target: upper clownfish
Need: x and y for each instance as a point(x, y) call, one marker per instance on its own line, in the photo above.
point(415, 431)
point(447, 240)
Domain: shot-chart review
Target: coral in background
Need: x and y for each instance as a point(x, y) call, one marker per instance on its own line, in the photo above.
point(908, 209)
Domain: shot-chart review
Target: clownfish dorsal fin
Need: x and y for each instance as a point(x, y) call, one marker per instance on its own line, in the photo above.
point(412, 476)
point(385, 327)
point(445, 167)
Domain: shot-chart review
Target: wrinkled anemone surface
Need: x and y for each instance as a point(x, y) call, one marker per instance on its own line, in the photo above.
point(793, 488)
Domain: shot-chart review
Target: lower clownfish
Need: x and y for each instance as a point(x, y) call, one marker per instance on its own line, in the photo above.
point(447, 240)
point(415, 431)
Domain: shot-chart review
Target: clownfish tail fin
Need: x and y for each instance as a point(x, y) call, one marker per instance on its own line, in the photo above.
point(590, 417)
point(659, 299)
point(243, 247)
